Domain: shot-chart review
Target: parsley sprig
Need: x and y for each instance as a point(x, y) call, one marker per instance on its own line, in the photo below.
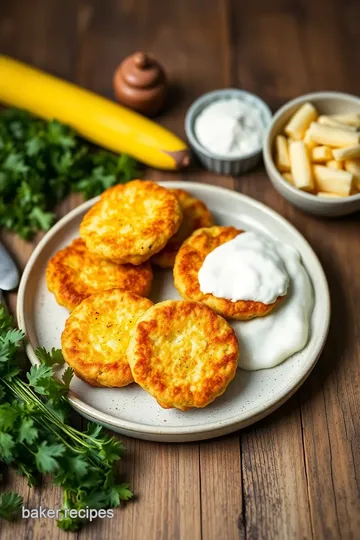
point(35, 438)
point(41, 162)
point(10, 505)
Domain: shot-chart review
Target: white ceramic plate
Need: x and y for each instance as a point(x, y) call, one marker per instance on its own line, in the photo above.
point(130, 410)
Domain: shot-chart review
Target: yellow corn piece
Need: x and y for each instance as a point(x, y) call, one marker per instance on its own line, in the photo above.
point(308, 141)
point(329, 121)
point(353, 167)
point(301, 166)
point(331, 136)
point(282, 154)
point(332, 181)
point(350, 152)
point(333, 164)
point(351, 119)
point(300, 121)
point(288, 177)
point(321, 154)
point(329, 195)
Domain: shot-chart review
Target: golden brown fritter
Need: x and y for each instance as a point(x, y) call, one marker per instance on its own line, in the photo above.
point(190, 259)
point(183, 354)
point(195, 215)
point(96, 336)
point(131, 222)
point(74, 273)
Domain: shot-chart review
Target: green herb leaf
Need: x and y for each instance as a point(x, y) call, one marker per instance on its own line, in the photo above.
point(6, 447)
point(39, 377)
point(67, 376)
point(6, 320)
point(111, 450)
point(46, 454)
point(10, 505)
point(42, 220)
point(118, 494)
point(50, 358)
point(14, 336)
point(8, 416)
point(27, 431)
point(76, 467)
point(69, 524)
point(14, 164)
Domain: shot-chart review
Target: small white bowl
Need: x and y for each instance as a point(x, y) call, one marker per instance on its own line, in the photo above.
point(221, 164)
point(325, 103)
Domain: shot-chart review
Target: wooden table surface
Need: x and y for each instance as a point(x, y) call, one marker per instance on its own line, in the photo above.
point(295, 474)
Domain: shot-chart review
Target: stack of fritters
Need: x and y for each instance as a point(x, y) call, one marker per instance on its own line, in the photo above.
point(181, 352)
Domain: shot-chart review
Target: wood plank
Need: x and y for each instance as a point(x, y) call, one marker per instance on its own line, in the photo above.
point(330, 421)
point(267, 53)
point(221, 488)
point(41, 33)
point(330, 398)
point(325, 37)
point(165, 480)
point(276, 502)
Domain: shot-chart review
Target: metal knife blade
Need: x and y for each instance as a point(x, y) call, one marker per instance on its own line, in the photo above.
point(9, 274)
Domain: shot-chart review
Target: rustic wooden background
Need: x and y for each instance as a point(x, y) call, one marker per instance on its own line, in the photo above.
point(295, 474)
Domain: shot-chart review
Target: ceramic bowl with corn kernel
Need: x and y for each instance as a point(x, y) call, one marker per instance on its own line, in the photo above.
point(312, 153)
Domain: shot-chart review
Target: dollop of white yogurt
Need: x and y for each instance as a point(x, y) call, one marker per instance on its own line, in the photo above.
point(265, 341)
point(230, 128)
point(249, 267)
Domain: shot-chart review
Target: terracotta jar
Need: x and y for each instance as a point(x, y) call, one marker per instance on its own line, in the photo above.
point(140, 83)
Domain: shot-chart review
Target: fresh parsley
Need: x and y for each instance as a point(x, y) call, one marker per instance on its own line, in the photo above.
point(36, 439)
point(10, 505)
point(43, 161)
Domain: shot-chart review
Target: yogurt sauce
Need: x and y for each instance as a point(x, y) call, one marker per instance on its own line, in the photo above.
point(230, 128)
point(249, 267)
point(256, 267)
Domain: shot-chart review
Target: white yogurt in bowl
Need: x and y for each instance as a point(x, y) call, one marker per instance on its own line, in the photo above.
point(256, 267)
point(226, 128)
point(230, 127)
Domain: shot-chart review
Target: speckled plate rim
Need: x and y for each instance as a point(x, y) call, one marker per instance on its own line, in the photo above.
point(208, 430)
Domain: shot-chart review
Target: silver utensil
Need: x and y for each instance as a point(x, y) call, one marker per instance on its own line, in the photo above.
point(9, 274)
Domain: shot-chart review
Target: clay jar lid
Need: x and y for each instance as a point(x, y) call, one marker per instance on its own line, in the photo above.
point(140, 83)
